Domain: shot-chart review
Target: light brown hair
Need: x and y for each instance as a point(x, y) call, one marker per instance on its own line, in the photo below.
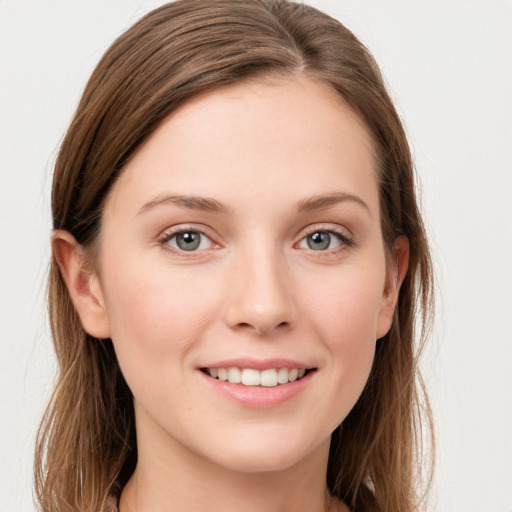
point(86, 445)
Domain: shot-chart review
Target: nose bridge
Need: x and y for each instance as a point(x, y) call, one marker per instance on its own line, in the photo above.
point(261, 297)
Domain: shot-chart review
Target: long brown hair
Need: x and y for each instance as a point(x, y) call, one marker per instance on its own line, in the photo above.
point(86, 445)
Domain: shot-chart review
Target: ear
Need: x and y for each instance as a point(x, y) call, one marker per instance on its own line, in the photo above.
point(395, 274)
point(82, 283)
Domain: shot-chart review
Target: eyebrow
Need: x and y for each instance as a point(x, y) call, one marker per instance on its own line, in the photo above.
point(323, 201)
point(208, 204)
point(205, 204)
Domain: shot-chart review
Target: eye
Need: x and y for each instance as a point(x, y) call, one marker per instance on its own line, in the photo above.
point(324, 240)
point(188, 241)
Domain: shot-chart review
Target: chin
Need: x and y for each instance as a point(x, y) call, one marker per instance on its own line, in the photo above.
point(258, 463)
point(265, 451)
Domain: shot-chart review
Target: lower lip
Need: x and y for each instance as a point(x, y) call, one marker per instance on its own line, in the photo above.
point(259, 396)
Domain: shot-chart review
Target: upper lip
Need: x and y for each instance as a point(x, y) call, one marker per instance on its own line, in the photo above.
point(259, 364)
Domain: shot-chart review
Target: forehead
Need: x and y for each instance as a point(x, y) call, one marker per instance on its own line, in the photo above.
point(255, 138)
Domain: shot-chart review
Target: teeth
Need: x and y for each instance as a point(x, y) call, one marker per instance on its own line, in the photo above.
point(234, 375)
point(269, 378)
point(282, 376)
point(250, 377)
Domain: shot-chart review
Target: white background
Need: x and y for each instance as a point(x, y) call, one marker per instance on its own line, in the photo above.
point(449, 67)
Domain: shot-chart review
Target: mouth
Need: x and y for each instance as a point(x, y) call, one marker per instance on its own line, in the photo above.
point(251, 377)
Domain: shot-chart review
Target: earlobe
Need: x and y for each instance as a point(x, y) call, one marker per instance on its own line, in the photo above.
point(82, 283)
point(396, 272)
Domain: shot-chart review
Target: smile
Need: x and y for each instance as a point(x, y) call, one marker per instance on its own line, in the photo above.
point(270, 377)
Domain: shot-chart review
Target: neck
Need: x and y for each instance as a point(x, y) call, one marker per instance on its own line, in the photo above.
point(175, 478)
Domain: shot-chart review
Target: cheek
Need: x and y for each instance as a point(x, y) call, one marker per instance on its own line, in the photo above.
point(157, 318)
point(348, 305)
point(153, 313)
point(346, 319)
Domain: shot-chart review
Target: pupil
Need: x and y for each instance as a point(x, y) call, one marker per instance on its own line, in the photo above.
point(318, 241)
point(188, 241)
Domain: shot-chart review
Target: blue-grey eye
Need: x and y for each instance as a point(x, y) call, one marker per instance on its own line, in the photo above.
point(320, 241)
point(189, 241)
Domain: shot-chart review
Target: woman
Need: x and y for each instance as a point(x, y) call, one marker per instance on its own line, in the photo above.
point(238, 260)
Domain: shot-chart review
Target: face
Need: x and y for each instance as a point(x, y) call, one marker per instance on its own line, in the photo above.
point(243, 242)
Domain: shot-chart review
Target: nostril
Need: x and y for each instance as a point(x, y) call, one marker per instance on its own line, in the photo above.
point(249, 325)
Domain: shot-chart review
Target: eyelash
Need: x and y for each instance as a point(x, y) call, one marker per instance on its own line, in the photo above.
point(345, 240)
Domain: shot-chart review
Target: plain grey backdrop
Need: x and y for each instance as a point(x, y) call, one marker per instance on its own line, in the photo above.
point(449, 67)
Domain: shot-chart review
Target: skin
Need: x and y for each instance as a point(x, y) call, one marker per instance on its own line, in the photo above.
point(254, 288)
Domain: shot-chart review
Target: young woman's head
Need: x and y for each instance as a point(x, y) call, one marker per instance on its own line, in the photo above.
point(234, 201)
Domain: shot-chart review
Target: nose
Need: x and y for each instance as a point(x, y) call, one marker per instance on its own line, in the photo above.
point(260, 296)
